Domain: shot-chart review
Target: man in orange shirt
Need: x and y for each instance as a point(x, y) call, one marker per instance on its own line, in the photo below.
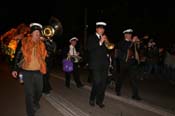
point(30, 62)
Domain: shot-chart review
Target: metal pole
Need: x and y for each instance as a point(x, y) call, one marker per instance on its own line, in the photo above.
point(85, 28)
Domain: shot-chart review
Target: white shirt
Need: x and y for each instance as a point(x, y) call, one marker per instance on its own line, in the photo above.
point(99, 38)
point(127, 39)
point(72, 50)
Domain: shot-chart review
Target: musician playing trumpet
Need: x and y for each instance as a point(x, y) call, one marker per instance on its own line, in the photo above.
point(133, 50)
point(128, 58)
point(98, 64)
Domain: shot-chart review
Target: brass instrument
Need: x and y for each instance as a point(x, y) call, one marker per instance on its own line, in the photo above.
point(108, 44)
point(132, 52)
point(76, 58)
point(53, 28)
point(48, 31)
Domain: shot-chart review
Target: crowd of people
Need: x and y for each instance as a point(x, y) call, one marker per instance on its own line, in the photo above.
point(133, 58)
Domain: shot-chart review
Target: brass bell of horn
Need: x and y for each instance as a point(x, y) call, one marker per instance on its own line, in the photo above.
point(54, 27)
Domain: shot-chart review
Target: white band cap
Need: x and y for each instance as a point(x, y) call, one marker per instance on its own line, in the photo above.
point(73, 38)
point(36, 24)
point(101, 23)
point(128, 31)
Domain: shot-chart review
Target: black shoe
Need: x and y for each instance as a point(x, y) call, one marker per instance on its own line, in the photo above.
point(36, 107)
point(136, 98)
point(80, 85)
point(101, 105)
point(118, 93)
point(92, 103)
point(46, 92)
point(89, 81)
point(68, 86)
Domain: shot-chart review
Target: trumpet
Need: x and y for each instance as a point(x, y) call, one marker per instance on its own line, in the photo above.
point(108, 44)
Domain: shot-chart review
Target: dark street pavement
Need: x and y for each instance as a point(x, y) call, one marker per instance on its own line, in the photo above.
point(12, 102)
point(157, 94)
point(158, 98)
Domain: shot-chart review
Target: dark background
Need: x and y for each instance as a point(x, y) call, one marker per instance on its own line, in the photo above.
point(156, 18)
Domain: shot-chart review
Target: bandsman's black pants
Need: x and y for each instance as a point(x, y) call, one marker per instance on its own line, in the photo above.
point(76, 76)
point(129, 72)
point(46, 79)
point(98, 85)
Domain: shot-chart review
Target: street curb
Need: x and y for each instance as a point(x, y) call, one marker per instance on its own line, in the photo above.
point(140, 104)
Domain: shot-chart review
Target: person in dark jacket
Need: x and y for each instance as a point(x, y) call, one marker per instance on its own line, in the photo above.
point(51, 48)
point(128, 59)
point(98, 64)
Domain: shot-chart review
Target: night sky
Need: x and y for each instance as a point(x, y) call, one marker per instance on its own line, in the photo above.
point(144, 16)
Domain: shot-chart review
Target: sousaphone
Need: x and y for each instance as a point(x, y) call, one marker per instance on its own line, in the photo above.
point(54, 27)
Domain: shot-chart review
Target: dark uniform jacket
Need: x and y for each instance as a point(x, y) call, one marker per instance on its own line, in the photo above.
point(123, 47)
point(51, 49)
point(127, 52)
point(97, 55)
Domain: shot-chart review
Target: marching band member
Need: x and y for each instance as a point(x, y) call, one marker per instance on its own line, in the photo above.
point(74, 55)
point(98, 64)
point(51, 48)
point(128, 57)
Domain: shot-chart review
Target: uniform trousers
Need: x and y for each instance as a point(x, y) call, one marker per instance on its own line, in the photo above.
point(99, 83)
point(130, 72)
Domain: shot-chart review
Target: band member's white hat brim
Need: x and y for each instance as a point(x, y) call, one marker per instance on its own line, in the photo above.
point(36, 24)
point(128, 31)
point(74, 38)
point(101, 23)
